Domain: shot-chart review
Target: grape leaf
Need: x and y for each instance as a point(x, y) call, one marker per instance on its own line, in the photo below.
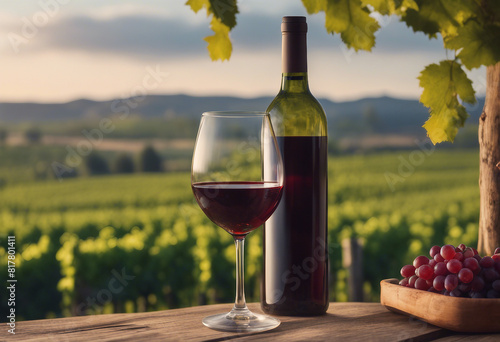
point(407, 4)
point(219, 44)
point(384, 7)
point(353, 22)
point(388, 7)
point(420, 23)
point(479, 44)
point(314, 6)
point(443, 126)
point(197, 5)
point(442, 85)
point(223, 20)
point(444, 16)
point(225, 10)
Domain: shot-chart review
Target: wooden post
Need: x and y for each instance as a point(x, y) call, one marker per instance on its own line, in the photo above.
point(352, 260)
point(489, 158)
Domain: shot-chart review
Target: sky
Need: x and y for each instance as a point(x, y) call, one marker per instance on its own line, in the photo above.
point(63, 50)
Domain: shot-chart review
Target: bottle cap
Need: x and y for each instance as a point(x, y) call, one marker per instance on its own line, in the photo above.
point(294, 24)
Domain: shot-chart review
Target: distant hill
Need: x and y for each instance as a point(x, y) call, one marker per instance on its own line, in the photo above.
point(372, 115)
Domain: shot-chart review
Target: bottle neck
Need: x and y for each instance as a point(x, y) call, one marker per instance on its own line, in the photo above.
point(294, 57)
point(294, 82)
point(294, 52)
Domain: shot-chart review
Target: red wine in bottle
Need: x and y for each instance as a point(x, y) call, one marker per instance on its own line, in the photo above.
point(295, 271)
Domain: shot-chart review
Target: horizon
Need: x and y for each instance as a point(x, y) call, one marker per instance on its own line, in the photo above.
point(209, 96)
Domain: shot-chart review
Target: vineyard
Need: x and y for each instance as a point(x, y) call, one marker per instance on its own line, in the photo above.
point(139, 242)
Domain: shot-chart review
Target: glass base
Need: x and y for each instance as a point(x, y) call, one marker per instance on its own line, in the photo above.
point(241, 320)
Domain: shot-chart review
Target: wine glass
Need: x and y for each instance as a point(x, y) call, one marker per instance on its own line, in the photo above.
point(237, 180)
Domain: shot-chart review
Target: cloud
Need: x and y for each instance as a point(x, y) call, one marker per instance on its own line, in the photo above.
point(131, 35)
point(143, 35)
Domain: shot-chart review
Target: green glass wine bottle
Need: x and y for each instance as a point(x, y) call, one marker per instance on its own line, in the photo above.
point(295, 271)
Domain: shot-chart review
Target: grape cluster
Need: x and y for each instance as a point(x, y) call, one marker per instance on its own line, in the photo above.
point(455, 271)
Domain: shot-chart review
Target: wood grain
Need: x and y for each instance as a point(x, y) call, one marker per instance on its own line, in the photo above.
point(489, 157)
point(343, 322)
point(457, 314)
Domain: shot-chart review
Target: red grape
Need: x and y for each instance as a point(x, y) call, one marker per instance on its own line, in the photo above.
point(477, 284)
point(438, 258)
point(455, 272)
point(438, 282)
point(492, 294)
point(420, 260)
point(425, 272)
point(468, 253)
point(465, 288)
point(440, 269)
point(496, 285)
point(459, 256)
point(451, 282)
point(471, 263)
point(454, 266)
point(487, 262)
point(497, 262)
point(448, 252)
point(465, 275)
point(490, 274)
point(412, 280)
point(421, 284)
point(434, 250)
point(407, 271)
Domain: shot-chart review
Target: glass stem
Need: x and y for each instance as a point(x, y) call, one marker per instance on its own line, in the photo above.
point(239, 302)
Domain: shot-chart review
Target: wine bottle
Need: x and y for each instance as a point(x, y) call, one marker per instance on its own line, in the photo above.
point(295, 271)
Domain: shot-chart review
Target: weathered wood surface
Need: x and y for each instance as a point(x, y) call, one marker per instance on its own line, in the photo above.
point(343, 322)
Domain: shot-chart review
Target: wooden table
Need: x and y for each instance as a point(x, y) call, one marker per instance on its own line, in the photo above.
point(343, 322)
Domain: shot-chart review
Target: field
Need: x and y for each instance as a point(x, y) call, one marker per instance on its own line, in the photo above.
point(138, 242)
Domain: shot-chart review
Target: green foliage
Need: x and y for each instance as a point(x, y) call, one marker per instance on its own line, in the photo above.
point(478, 45)
point(349, 18)
point(223, 14)
point(3, 135)
point(96, 164)
point(33, 135)
point(167, 128)
point(387, 7)
point(150, 160)
point(24, 163)
point(440, 16)
point(72, 236)
point(123, 163)
point(442, 85)
point(470, 28)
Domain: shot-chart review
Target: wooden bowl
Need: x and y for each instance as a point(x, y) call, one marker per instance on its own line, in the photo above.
point(458, 314)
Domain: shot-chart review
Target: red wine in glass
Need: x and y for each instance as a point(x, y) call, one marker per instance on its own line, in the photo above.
point(237, 207)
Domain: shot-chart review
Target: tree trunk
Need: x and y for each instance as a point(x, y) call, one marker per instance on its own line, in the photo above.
point(489, 165)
